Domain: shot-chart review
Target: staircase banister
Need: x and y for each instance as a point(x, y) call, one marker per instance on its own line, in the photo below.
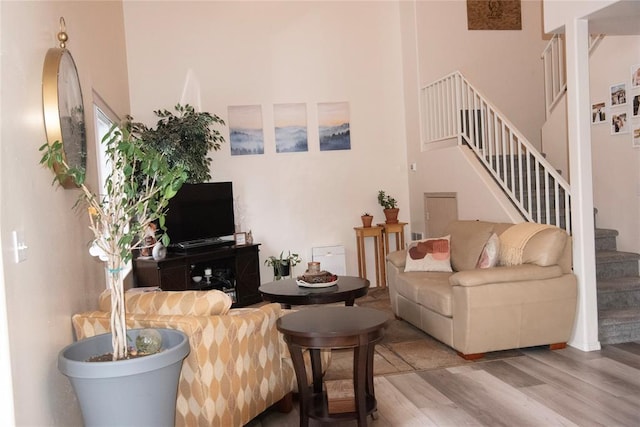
point(448, 76)
point(521, 138)
point(549, 45)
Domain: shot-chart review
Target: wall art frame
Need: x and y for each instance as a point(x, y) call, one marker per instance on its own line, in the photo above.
point(246, 135)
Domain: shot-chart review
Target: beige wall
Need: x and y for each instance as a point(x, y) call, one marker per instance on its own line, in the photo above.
point(247, 53)
point(503, 65)
point(558, 12)
point(59, 277)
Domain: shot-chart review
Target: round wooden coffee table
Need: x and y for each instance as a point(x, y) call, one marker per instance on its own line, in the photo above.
point(320, 328)
point(288, 293)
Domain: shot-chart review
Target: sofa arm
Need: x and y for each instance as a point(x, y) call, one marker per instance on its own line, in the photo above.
point(398, 258)
point(516, 273)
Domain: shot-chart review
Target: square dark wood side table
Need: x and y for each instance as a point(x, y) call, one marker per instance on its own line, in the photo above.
point(331, 327)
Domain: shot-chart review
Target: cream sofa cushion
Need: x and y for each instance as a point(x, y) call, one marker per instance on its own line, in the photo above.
point(467, 241)
point(398, 258)
point(546, 247)
point(432, 291)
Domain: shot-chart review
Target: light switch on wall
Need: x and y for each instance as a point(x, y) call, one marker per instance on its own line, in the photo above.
point(413, 167)
point(19, 246)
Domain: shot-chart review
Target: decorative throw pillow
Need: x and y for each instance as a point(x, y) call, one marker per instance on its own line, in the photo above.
point(429, 255)
point(490, 253)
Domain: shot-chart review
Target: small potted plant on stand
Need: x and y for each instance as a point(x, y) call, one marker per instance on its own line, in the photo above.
point(282, 265)
point(389, 205)
point(367, 219)
point(125, 390)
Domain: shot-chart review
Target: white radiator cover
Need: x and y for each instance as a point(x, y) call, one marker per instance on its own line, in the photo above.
point(331, 258)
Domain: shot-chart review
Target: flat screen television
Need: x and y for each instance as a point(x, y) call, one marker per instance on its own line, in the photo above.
point(200, 214)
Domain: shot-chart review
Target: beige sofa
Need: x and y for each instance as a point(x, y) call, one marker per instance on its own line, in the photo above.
point(530, 302)
point(238, 366)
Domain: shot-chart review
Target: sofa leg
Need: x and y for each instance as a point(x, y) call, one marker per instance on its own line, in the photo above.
point(558, 346)
point(474, 356)
point(285, 405)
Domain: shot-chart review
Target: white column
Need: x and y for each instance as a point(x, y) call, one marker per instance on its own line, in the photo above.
point(585, 332)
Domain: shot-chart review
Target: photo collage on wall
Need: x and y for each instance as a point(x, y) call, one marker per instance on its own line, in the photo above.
point(635, 104)
point(622, 116)
point(246, 133)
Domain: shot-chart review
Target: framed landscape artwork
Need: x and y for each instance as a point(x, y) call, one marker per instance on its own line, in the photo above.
point(245, 130)
point(333, 126)
point(290, 122)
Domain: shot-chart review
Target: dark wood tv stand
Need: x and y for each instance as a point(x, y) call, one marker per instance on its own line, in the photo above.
point(235, 270)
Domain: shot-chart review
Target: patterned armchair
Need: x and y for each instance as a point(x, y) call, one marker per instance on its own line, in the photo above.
point(238, 366)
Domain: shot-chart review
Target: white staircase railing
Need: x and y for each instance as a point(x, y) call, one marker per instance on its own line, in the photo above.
point(555, 77)
point(453, 108)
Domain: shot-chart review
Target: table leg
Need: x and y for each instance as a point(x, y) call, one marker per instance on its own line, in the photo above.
point(370, 354)
point(303, 386)
point(316, 369)
point(362, 263)
point(383, 275)
point(377, 252)
point(400, 240)
point(360, 373)
point(386, 241)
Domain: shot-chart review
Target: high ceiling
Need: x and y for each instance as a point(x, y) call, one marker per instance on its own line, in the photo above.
point(621, 18)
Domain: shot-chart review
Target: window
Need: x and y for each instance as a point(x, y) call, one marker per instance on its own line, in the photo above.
point(104, 118)
point(103, 124)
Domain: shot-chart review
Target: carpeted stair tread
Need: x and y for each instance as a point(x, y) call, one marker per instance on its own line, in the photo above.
point(619, 284)
point(605, 239)
point(619, 325)
point(615, 256)
point(605, 232)
point(619, 316)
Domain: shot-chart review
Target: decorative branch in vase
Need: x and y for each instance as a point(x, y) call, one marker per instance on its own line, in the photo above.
point(119, 218)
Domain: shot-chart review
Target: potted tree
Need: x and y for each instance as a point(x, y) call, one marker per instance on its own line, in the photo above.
point(185, 138)
point(282, 265)
point(118, 220)
point(389, 204)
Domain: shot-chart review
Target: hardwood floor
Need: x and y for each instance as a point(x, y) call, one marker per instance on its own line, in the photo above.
point(541, 388)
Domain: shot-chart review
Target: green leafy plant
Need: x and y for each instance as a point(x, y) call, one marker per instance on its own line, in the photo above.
point(281, 263)
point(119, 218)
point(387, 202)
point(185, 138)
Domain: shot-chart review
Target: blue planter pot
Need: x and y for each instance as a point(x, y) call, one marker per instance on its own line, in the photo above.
point(135, 392)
